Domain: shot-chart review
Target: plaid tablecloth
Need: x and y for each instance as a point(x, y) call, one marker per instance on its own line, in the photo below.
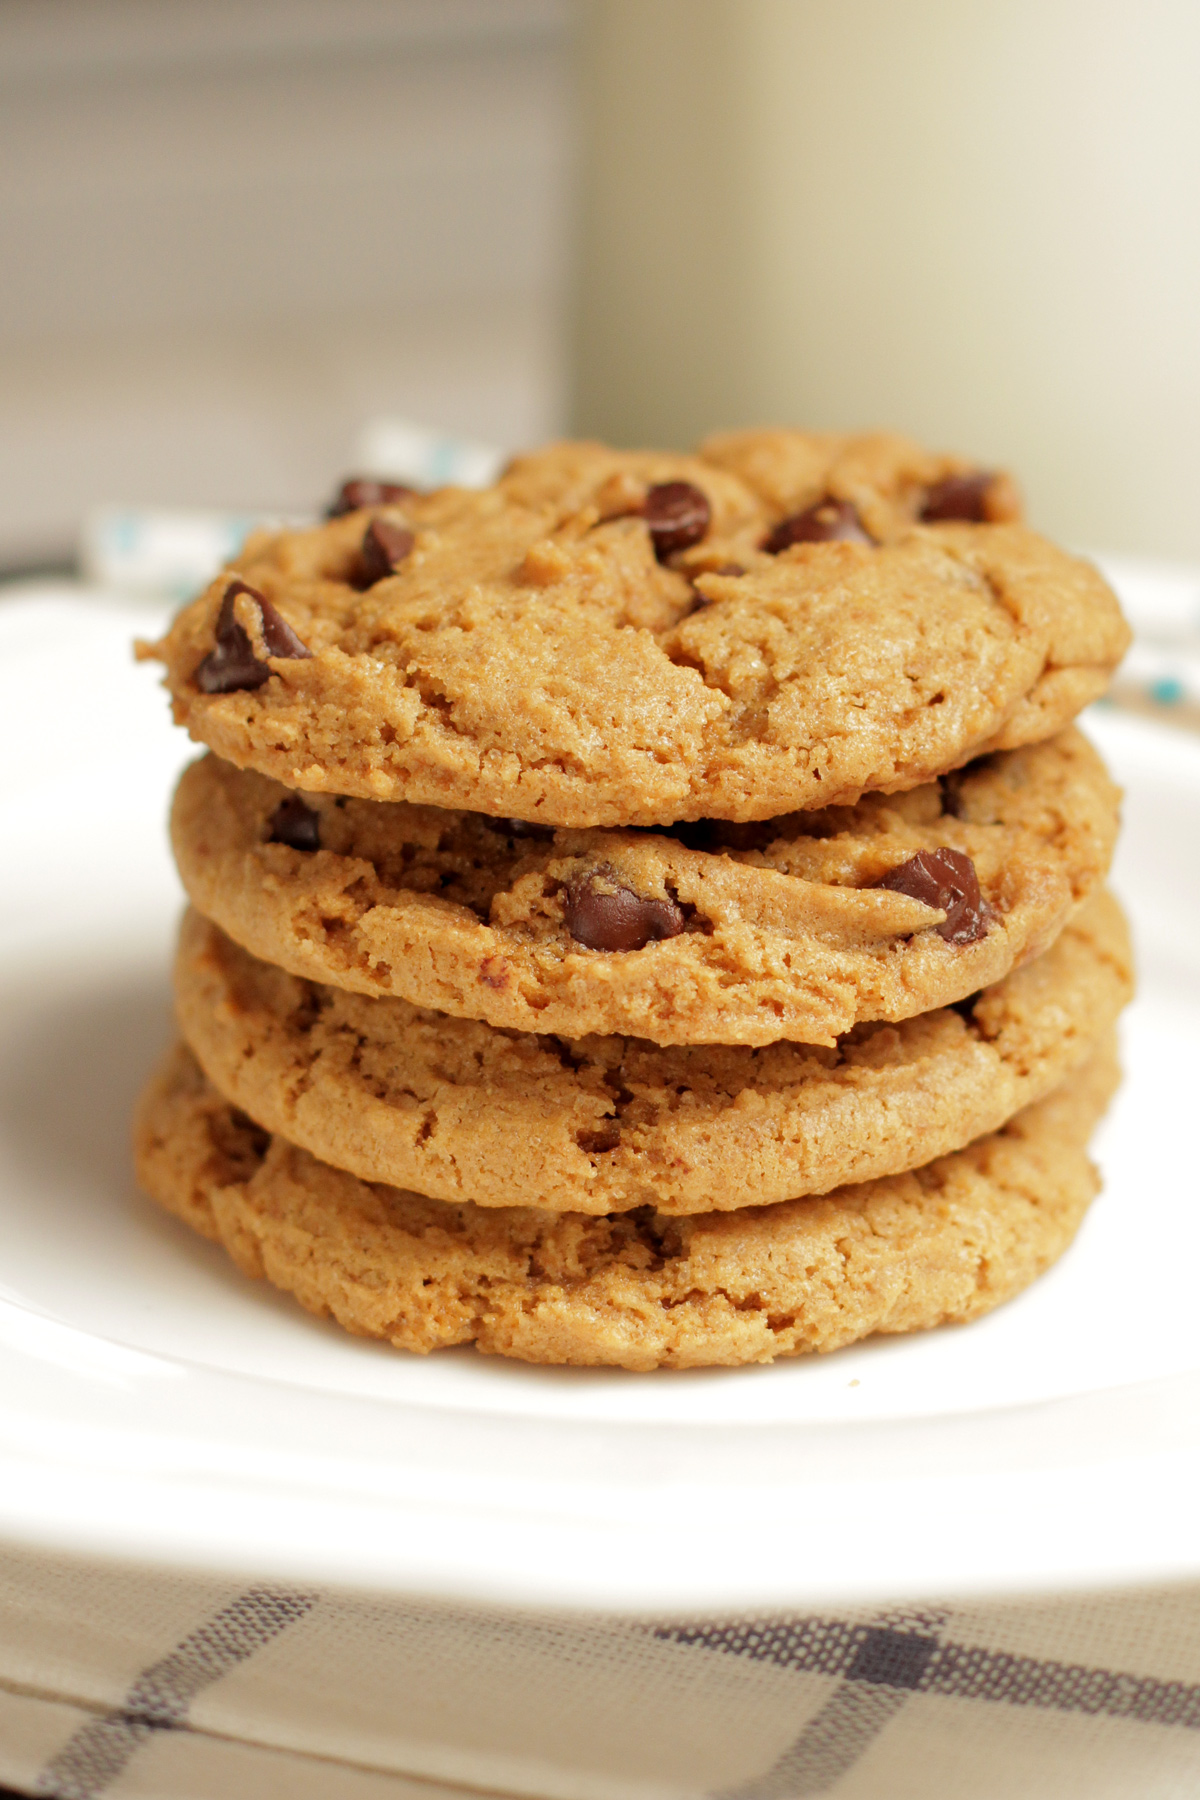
point(123, 1683)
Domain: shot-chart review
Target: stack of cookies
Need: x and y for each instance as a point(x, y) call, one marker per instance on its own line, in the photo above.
point(647, 912)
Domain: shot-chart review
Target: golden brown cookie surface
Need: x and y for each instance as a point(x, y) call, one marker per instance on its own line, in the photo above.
point(585, 645)
point(454, 1108)
point(775, 931)
point(638, 1290)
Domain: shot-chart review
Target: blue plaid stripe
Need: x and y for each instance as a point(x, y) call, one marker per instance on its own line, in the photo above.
point(880, 1664)
point(159, 1699)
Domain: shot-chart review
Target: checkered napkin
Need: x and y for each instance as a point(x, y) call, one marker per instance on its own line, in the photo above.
point(122, 1683)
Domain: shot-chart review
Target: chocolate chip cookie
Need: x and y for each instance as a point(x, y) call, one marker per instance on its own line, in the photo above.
point(454, 1108)
point(607, 639)
point(796, 928)
point(640, 1290)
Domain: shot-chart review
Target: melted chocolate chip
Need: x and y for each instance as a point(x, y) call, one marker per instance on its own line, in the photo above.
point(825, 523)
point(958, 497)
point(384, 548)
point(945, 879)
point(602, 915)
point(295, 824)
point(517, 828)
point(678, 515)
point(595, 1143)
point(231, 665)
point(362, 491)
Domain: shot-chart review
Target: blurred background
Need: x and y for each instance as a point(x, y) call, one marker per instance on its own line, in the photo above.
point(235, 232)
point(231, 231)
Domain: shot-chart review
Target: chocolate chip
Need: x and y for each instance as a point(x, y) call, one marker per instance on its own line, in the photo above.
point(384, 548)
point(958, 497)
point(595, 1143)
point(826, 522)
point(945, 879)
point(678, 515)
point(278, 637)
point(295, 824)
point(231, 666)
point(362, 490)
point(603, 915)
point(516, 828)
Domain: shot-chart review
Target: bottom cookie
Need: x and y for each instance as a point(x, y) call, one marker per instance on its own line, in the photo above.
point(637, 1290)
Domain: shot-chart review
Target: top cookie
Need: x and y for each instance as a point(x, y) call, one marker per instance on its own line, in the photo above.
point(782, 621)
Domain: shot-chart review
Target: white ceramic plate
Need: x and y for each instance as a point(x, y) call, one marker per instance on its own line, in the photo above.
point(154, 1403)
